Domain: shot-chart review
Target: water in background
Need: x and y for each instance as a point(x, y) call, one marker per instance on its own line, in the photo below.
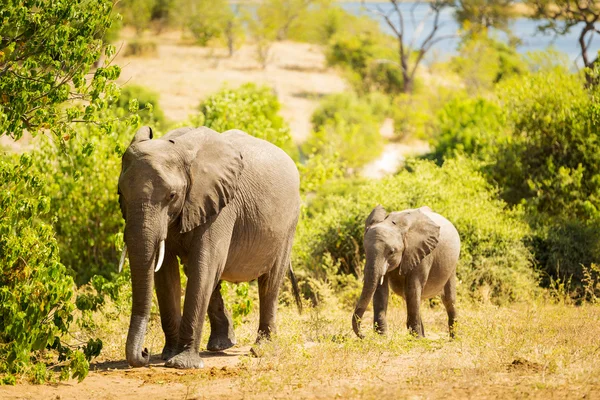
point(523, 28)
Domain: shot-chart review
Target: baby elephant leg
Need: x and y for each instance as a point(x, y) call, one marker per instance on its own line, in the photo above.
point(413, 305)
point(380, 303)
point(449, 300)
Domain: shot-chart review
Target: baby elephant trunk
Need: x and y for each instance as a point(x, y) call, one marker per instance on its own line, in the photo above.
point(375, 270)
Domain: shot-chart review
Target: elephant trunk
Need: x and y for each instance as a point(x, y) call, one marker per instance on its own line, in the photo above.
point(374, 272)
point(142, 248)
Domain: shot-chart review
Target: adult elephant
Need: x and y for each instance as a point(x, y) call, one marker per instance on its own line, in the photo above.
point(415, 252)
point(227, 205)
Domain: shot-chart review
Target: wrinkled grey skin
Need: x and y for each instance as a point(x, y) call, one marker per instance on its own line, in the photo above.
point(420, 250)
point(225, 204)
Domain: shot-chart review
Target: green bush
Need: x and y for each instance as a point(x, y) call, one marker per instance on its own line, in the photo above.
point(552, 158)
point(564, 248)
point(349, 127)
point(81, 178)
point(36, 292)
point(149, 115)
point(482, 62)
point(204, 19)
point(472, 126)
point(252, 109)
point(320, 24)
point(137, 13)
point(369, 59)
point(494, 260)
point(352, 109)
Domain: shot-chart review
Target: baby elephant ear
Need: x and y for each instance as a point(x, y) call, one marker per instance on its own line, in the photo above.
point(214, 168)
point(377, 215)
point(420, 240)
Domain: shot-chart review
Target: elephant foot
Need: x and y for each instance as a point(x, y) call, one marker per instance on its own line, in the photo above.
point(168, 352)
point(220, 343)
point(185, 360)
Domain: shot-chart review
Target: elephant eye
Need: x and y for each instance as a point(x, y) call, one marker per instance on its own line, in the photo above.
point(172, 195)
point(393, 222)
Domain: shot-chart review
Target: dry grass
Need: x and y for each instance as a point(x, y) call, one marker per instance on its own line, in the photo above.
point(539, 350)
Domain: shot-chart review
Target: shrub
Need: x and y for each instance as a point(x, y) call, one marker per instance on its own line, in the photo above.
point(319, 24)
point(143, 96)
point(250, 108)
point(36, 292)
point(352, 109)
point(552, 160)
point(483, 62)
point(137, 13)
point(369, 58)
point(141, 48)
point(348, 126)
point(318, 169)
point(472, 126)
point(82, 177)
point(204, 19)
point(564, 248)
point(493, 258)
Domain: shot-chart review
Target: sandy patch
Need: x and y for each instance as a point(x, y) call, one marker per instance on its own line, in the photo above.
point(184, 75)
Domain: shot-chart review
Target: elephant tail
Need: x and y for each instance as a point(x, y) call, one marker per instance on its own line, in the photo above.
point(295, 289)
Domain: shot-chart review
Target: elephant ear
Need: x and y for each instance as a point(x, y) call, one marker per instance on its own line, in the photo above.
point(214, 167)
point(420, 239)
point(142, 134)
point(377, 215)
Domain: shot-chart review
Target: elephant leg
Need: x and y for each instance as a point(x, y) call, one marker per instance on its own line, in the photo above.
point(268, 294)
point(168, 292)
point(413, 303)
point(205, 265)
point(449, 300)
point(222, 335)
point(380, 303)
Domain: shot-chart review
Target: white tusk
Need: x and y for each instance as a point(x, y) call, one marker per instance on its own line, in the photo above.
point(123, 255)
point(385, 268)
point(161, 256)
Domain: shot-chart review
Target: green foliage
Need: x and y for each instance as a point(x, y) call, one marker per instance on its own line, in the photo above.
point(480, 15)
point(348, 126)
point(320, 23)
point(539, 140)
point(494, 261)
point(81, 178)
point(482, 62)
point(47, 50)
point(319, 169)
point(471, 126)
point(151, 113)
point(36, 292)
point(284, 15)
point(565, 248)
point(239, 299)
point(352, 109)
point(204, 19)
point(137, 13)
point(552, 160)
point(250, 108)
point(369, 59)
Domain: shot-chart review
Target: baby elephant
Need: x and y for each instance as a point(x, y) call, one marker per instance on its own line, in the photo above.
point(416, 252)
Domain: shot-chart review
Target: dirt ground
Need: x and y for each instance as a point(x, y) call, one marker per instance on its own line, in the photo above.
point(185, 74)
point(533, 351)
